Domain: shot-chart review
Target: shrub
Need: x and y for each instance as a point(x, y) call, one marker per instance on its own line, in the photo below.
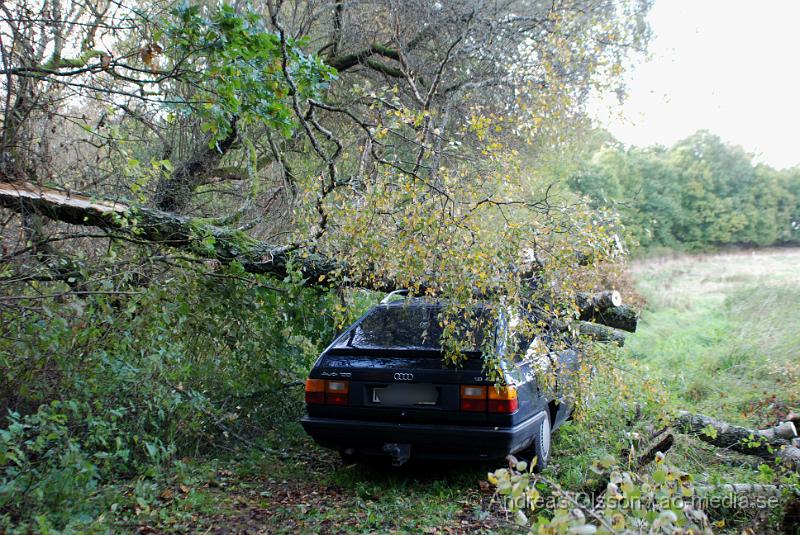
point(115, 387)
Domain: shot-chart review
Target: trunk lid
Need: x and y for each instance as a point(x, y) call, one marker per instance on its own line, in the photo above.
point(408, 386)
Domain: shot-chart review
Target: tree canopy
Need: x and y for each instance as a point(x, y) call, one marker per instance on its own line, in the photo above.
point(698, 194)
point(384, 137)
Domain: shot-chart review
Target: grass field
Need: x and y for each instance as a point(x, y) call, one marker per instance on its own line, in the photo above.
point(723, 332)
point(720, 334)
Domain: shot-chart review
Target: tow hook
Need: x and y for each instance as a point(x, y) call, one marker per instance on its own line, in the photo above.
point(400, 453)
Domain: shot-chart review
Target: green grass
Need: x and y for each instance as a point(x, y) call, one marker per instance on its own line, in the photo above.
point(723, 333)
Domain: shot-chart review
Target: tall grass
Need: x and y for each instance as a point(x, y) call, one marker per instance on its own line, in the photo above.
point(723, 332)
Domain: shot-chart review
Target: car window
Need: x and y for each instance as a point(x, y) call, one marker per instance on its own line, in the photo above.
point(415, 327)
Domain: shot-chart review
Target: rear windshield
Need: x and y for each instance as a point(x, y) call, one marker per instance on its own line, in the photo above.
point(416, 327)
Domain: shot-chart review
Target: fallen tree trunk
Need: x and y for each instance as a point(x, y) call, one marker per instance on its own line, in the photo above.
point(794, 418)
point(227, 246)
point(662, 446)
point(765, 443)
point(599, 301)
point(784, 430)
point(601, 333)
point(607, 309)
point(203, 239)
point(791, 456)
point(622, 317)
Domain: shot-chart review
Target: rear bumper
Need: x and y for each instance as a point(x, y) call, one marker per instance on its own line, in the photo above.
point(431, 441)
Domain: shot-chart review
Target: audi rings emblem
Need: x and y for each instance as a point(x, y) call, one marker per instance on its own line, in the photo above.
point(404, 376)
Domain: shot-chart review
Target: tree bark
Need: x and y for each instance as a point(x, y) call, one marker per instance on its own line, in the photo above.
point(174, 193)
point(765, 443)
point(364, 57)
point(622, 317)
point(784, 430)
point(219, 243)
point(601, 333)
point(600, 300)
point(662, 446)
point(201, 238)
point(606, 308)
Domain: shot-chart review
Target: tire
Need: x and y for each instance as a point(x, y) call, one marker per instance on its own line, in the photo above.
point(541, 444)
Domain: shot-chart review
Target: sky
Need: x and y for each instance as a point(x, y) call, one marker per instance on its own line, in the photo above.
point(728, 66)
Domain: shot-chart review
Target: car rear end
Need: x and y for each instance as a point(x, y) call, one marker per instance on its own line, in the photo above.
point(400, 399)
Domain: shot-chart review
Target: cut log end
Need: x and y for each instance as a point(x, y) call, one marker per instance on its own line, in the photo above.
point(606, 308)
point(607, 299)
point(769, 443)
point(784, 430)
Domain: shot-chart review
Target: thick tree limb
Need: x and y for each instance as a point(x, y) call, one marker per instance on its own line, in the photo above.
point(623, 317)
point(784, 430)
point(764, 443)
point(599, 301)
point(601, 333)
point(607, 309)
point(347, 61)
point(203, 239)
point(662, 446)
point(174, 193)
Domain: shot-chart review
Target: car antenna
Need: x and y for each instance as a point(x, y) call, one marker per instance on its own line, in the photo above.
point(401, 291)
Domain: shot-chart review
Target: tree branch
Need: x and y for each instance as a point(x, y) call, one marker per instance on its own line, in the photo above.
point(362, 57)
point(182, 232)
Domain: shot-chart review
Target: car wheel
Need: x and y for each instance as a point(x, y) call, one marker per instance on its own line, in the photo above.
point(541, 446)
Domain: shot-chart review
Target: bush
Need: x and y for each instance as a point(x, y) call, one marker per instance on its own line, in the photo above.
point(656, 502)
point(113, 387)
point(45, 465)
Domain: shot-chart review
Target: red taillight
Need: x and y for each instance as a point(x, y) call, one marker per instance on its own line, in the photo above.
point(322, 392)
point(503, 405)
point(315, 391)
point(503, 399)
point(473, 398)
point(336, 392)
point(492, 399)
point(473, 405)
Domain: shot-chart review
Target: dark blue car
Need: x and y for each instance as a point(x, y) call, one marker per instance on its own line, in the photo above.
point(382, 388)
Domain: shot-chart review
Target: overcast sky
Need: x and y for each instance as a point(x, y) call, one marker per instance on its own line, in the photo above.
point(728, 66)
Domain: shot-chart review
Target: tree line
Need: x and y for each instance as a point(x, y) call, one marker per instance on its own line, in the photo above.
point(699, 194)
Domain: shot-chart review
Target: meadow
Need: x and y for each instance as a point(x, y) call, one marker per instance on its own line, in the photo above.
point(723, 332)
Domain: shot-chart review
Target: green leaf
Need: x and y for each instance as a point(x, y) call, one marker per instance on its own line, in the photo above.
point(660, 477)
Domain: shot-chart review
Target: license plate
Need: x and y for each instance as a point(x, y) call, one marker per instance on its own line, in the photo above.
point(405, 395)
